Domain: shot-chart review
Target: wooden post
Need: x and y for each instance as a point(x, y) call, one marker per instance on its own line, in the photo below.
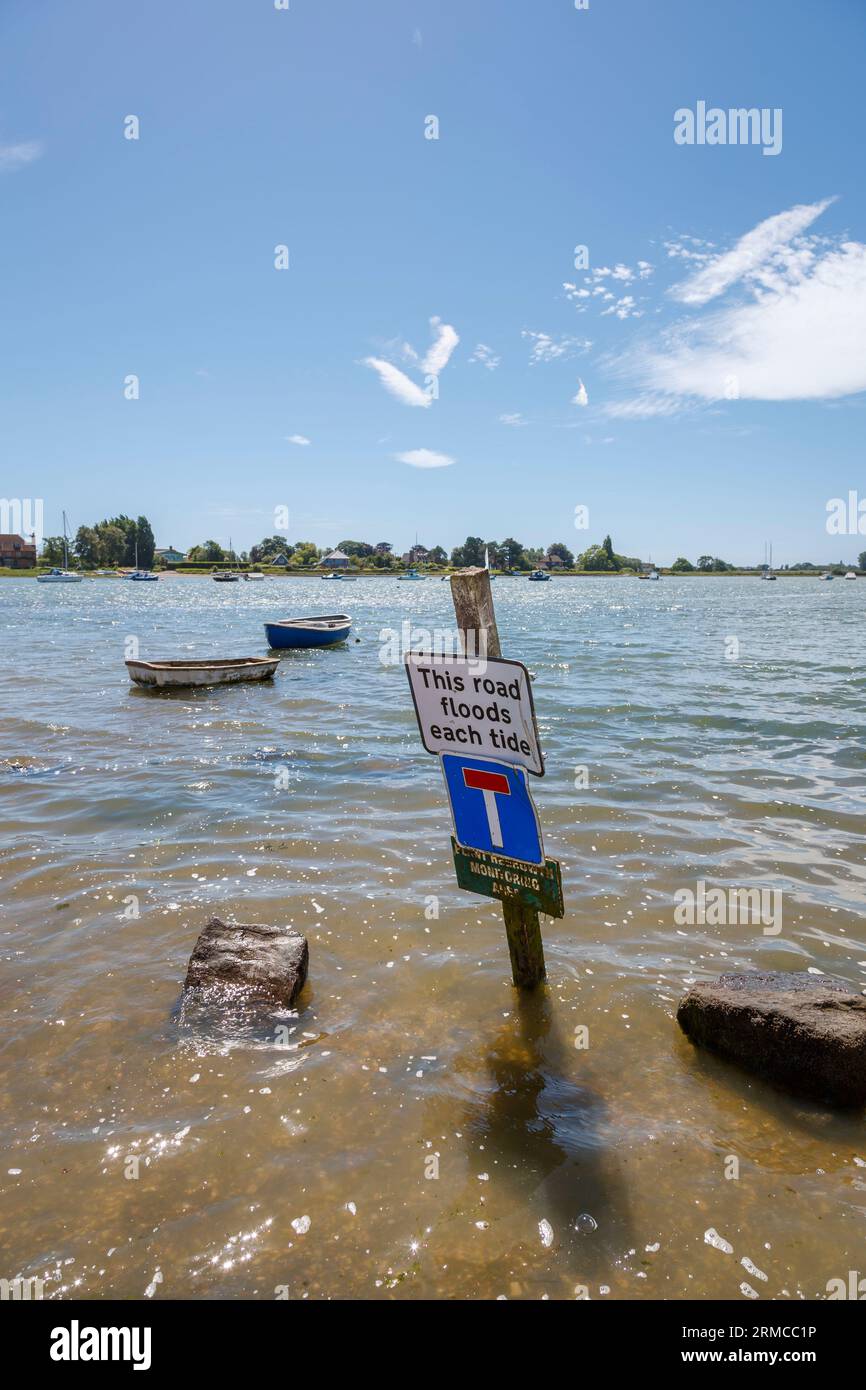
point(476, 621)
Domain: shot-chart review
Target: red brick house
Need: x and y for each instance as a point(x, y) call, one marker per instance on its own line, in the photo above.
point(16, 553)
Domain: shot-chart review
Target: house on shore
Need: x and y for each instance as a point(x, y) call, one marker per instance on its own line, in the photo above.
point(417, 555)
point(16, 553)
point(169, 555)
point(335, 560)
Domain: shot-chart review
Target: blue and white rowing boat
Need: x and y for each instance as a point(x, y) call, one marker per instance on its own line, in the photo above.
point(309, 632)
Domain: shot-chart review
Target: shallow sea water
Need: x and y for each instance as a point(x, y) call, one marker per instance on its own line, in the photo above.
point(303, 1167)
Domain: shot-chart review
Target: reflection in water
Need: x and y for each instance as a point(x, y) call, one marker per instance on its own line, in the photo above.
point(542, 1126)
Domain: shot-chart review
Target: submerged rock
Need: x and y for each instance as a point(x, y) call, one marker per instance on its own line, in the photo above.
point(248, 962)
point(804, 1032)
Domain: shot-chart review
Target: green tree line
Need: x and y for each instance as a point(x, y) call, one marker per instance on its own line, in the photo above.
point(106, 544)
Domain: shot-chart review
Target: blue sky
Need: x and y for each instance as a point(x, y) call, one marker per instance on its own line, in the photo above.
point(730, 272)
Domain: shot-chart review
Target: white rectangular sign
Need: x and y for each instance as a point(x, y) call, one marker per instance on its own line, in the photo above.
point(481, 708)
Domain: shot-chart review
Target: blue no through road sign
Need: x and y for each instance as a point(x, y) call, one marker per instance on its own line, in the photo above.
point(492, 807)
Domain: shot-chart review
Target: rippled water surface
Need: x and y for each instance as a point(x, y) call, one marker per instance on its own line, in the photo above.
point(309, 1168)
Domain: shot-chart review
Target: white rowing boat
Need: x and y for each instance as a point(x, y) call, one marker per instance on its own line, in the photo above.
point(170, 675)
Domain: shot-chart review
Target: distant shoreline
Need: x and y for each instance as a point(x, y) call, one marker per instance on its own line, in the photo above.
point(278, 573)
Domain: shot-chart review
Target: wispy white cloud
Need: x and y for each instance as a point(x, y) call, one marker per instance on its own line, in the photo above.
point(575, 293)
point(644, 406)
point(444, 343)
point(596, 286)
point(796, 330)
point(751, 253)
point(297, 439)
point(398, 383)
point(581, 398)
point(486, 356)
point(516, 419)
point(14, 157)
point(624, 308)
point(445, 340)
point(690, 248)
point(546, 348)
point(425, 458)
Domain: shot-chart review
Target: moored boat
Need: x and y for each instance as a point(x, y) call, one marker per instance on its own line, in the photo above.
point(227, 576)
point(410, 575)
point(309, 632)
point(173, 675)
point(58, 576)
point(850, 575)
point(141, 576)
point(64, 575)
point(539, 576)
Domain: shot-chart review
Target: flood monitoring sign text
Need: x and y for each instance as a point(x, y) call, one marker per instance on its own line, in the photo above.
point(480, 707)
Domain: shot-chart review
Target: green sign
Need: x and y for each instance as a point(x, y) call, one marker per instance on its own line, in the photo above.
point(537, 885)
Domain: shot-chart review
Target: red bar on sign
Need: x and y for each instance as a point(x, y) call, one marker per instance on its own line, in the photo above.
point(486, 781)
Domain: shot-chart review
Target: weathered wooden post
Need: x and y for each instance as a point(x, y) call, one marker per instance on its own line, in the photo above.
point(476, 622)
point(476, 715)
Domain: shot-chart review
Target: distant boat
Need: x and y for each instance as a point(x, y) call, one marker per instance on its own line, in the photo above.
point(57, 576)
point(410, 574)
point(768, 564)
point(254, 574)
point(110, 574)
point(653, 574)
point(346, 578)
point(141, 576)
point(826, 576)
point(539, 576)
point(227, 576)
point(850, 575)
point(171, 675)
point(309, 632)
point(61, 576)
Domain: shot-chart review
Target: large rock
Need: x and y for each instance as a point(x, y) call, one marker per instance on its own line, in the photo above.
point(804, 1032)
point(252, 963)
